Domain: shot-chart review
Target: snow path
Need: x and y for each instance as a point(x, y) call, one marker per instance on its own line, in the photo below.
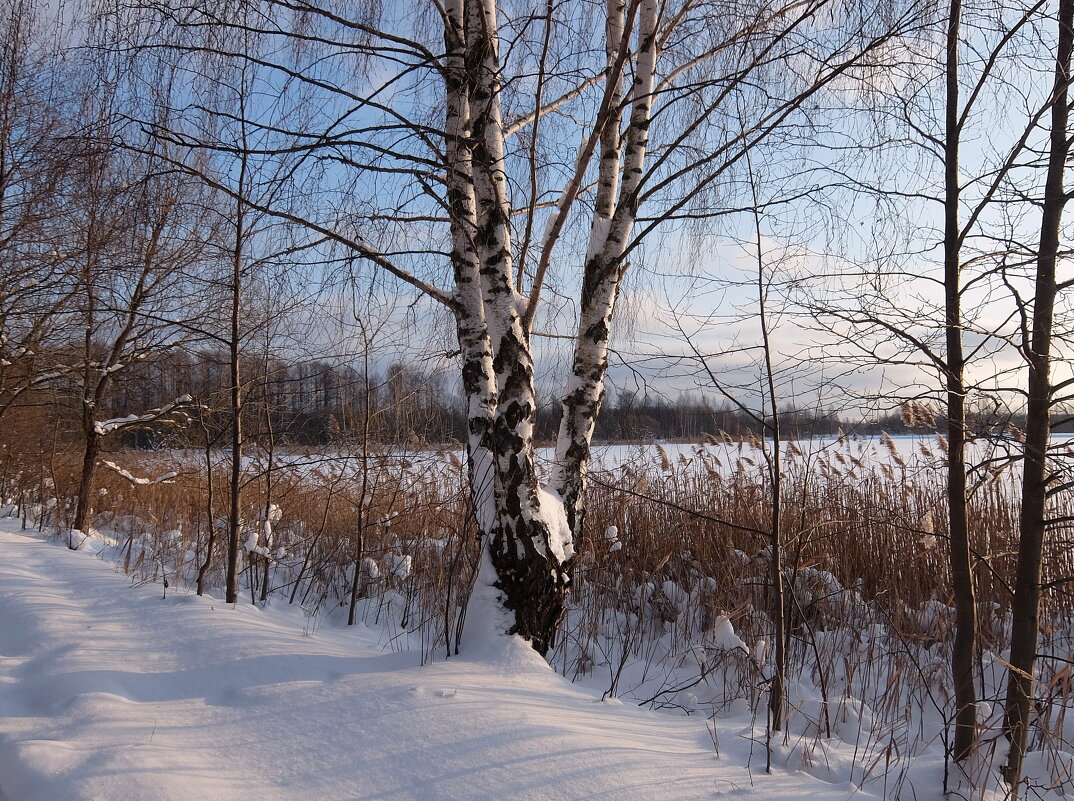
point(109, 693)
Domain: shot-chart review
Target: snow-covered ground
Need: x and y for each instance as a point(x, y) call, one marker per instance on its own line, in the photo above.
point(111, 692)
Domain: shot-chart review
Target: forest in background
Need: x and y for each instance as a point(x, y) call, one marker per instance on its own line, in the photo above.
point(318, 403)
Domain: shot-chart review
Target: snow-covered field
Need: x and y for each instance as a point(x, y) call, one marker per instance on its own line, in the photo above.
point(111, 692)
point(910, 452)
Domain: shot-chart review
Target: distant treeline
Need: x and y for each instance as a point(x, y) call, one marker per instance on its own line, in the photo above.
point(321, 402)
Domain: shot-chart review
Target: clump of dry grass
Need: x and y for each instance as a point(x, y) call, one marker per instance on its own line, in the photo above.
point(878, 528)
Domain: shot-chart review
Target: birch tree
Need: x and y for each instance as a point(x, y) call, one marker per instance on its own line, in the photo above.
point(489, 156)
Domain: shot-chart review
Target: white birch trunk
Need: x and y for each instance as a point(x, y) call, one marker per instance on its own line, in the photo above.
point(513, 515)
point(604, 269)
point(476, 350)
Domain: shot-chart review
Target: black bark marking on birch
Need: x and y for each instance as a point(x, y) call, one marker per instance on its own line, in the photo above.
point(598, 332)
point(534, 587)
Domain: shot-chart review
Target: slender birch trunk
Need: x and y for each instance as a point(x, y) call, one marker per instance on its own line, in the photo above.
point(622, 162)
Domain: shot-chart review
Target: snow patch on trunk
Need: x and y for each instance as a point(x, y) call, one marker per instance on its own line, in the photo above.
point(598, 235)
point(485, 637)
point(560, 539)
point(481, 482)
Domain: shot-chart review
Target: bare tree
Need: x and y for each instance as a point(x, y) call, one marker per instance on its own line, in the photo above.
point(964, 648)
point(35, 124)
point(128, 266)
point(921, 317)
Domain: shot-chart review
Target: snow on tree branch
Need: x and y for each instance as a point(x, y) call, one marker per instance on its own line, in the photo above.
point(166, 478)
point(119, 423)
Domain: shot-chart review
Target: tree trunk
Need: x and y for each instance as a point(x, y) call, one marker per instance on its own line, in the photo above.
point(1025, 609)
point(85, 486)
point(203, 569)
point(965, 642)
point(613, 222)
point(528, 556)
point(364, 501)
point(231, 580)
point(774, 460)
point(582, 404)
